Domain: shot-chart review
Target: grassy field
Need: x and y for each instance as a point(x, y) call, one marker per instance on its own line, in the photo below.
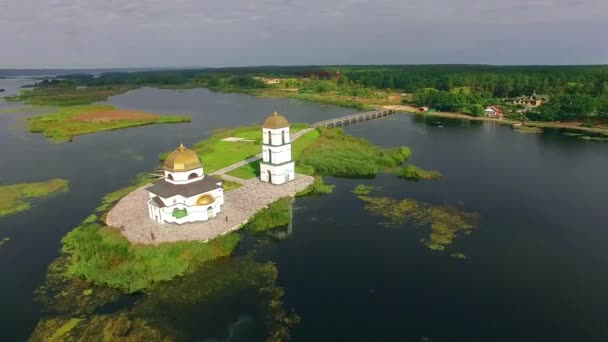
point(68, 122)
point(217, 154)
point(68, 96)
point(14, 198)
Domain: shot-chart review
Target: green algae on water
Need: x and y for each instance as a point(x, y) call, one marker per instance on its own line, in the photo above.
point(363, 189)
point(14, 197)
point(445, 222)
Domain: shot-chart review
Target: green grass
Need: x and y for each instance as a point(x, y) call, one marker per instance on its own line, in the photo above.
point(228, 185)
point(217, 154)
point(334, 153)
point(413, 172)
point(102, 255)
point(14, 198)
point(61, 126)
point(276, 215)
point(249, 171)
point(68, 96)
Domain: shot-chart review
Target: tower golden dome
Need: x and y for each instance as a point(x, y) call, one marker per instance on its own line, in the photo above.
point(182, 159)
point(275, 121)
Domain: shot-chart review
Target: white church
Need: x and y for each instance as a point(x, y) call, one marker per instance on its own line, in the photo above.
point(185, 194)
point(276, 166)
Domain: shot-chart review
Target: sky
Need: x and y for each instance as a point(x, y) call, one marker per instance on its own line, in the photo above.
point(215, 33)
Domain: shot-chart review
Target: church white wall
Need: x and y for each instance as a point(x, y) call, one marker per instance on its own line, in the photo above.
point(280, 154)
point(182, 177)
point(276, 136)
point(279, 174)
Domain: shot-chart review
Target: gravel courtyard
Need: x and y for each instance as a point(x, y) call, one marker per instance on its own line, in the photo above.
point(130, 214)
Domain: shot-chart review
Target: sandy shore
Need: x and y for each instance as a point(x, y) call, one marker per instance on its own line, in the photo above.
point(541, 124)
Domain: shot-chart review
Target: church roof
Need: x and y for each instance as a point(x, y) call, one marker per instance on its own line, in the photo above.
point(182, 159)
point(165, 189)
point(275, 121)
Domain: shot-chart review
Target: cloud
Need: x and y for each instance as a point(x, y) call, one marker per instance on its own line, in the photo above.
point(111, 33)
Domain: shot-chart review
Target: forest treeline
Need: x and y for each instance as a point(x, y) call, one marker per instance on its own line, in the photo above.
point(575, 91)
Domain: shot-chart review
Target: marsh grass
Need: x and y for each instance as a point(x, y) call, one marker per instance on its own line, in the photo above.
point(62, 125)
point(337, 154)
point(318, 187)
point(363, 189)
point(4, 240)
point(413, 172)
point(276, 215)
point(102, 255)
point(14, 198)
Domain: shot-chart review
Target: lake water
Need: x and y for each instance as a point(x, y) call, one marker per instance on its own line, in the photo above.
point(536, 264)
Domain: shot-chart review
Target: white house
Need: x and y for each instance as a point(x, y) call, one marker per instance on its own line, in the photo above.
point(276, 166)
point(494, 112)
point(185, 194)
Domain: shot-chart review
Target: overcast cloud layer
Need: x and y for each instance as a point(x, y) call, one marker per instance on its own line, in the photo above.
point(164, 33)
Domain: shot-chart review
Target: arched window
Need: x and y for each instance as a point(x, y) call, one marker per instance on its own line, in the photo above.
point(283, 135)
point(170, 176)
point(192, 175)
point(269, 138)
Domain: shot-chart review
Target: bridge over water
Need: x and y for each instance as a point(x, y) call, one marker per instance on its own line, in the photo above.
point(354, 118)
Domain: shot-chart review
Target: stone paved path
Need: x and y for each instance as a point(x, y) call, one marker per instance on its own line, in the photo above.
point(130, 214)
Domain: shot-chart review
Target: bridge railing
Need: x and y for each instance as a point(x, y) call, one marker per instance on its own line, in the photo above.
point(357, 116)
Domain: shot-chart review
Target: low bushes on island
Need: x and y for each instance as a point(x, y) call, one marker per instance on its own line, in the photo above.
point(413, 172)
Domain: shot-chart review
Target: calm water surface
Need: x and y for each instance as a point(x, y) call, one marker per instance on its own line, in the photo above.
point(536, 267)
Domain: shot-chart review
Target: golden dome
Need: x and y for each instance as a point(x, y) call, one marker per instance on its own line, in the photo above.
point(275, 121)
point(205, 199)
point(182, 159)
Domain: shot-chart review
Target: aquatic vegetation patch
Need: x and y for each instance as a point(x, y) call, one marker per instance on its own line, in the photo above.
point(116, 327)
point(66, 123)
point(458, 255)
point(216, 295)
point(529, 129)
point(318, 187)
point(334, 153)
point(4, 240)
point(276, 215)
point(61, 294)
point(413, 172)
point(445, 222)
point(14, 198)
point(364, 189)
point(102, 255)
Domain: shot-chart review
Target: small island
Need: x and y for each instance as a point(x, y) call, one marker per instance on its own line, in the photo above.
point(68, 122)
point(15, 198)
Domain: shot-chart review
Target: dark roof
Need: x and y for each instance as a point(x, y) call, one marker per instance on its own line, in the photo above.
point(159, 203)
point(165, 189)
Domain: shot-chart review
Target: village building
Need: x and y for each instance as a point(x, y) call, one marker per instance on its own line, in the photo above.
point(276, 166)
point(529, 102)
point(185, 194)
point(494, 112)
